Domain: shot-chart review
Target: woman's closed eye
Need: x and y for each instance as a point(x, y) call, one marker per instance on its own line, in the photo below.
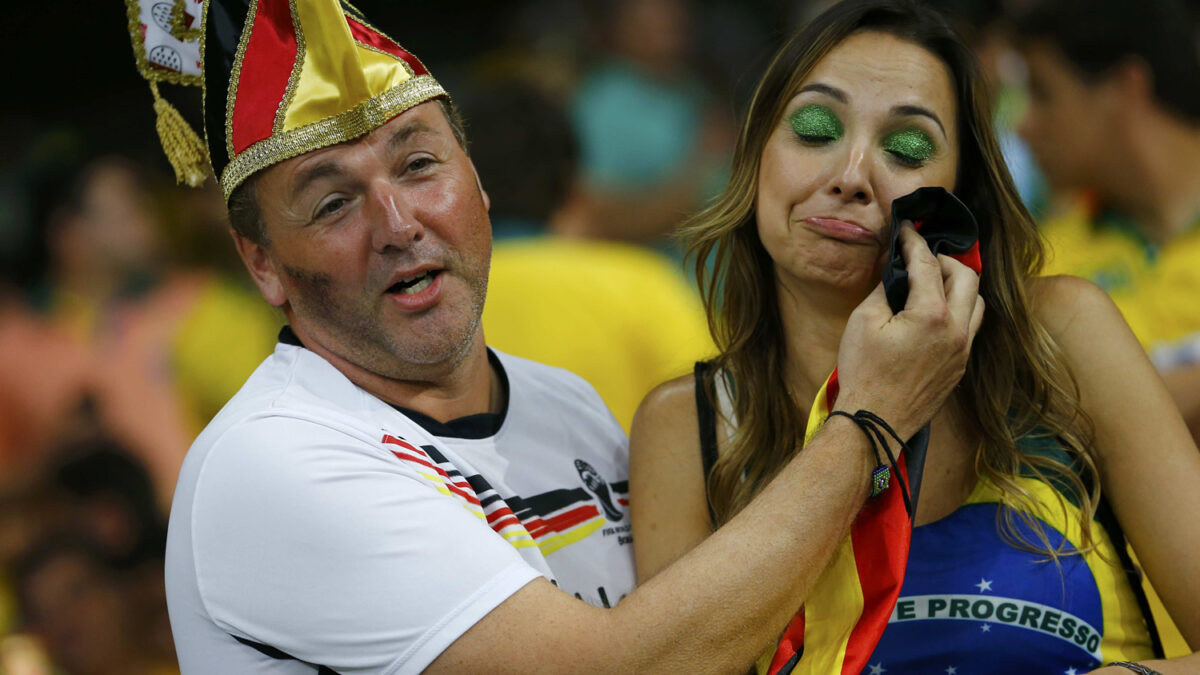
point(816, 124)
point(911, 147)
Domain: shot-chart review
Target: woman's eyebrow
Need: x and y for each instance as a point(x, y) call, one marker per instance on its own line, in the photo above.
point(908, 110)
point(832, 92)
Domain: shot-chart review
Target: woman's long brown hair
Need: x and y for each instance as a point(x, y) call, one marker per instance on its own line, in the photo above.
point(1017, 384)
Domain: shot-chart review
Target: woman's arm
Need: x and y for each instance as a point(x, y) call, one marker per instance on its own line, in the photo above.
point(667, 502)
point(1149, 465)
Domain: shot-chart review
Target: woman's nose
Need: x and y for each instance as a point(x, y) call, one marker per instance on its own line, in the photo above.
point(853, 181)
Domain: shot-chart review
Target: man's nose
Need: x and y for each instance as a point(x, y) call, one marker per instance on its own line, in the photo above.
point(394, 223)
point(852, 181)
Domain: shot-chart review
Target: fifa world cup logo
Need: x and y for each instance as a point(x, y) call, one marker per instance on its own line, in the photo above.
point(599, 488)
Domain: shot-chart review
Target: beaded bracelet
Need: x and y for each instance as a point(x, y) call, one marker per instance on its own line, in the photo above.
point(1136, 667)
point(870, 423)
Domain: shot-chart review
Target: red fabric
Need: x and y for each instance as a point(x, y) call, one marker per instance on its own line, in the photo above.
point(382, 42)
point(266, 67)
point(970, 258)
point(789, 643)
point(881, 536)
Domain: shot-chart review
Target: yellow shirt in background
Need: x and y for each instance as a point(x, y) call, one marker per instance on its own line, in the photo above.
point(1157, 288)
point(620, 316)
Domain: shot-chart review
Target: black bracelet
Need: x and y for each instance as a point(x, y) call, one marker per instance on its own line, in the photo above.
point(1136, 667)
point(870, 424)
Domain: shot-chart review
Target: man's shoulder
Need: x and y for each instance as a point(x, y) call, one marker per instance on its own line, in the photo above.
point(532, 379)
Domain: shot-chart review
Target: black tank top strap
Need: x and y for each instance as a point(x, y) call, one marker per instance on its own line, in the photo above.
point(707, 417)
point(1108, 520)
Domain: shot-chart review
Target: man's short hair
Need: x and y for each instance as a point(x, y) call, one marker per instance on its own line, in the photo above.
point(1096, 35)
point(245, 216)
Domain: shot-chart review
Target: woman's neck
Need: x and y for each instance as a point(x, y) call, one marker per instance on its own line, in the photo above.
point(813, 319)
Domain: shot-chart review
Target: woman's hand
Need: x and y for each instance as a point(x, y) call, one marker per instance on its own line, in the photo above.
point(903, 366)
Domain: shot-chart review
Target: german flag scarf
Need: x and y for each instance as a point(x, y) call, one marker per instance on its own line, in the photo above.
point(837, 629)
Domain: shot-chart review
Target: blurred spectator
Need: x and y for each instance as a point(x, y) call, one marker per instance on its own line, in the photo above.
point(82, 554)
point(984, 26)
point(653, 144)
point(75, 603)
point(1115, 112)
point(617, 314)
point(148, 328)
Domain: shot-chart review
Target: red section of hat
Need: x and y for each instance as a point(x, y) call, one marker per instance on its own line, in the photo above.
point(266, 66)
point(382, 42)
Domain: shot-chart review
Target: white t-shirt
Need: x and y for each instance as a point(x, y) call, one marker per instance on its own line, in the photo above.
point(316, 526)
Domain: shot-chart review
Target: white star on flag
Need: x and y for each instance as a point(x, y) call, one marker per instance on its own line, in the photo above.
point(951, 670)
point(985, 628)
point(878, 669)
point(1070, 671)
point(984, 585)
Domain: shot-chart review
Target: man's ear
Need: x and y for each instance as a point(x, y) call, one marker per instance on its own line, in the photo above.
point(487, 201)
point(262, 269)
point(1132, 83)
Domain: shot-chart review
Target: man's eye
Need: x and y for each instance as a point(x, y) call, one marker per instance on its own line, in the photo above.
point(331, 207)
point(419, 163)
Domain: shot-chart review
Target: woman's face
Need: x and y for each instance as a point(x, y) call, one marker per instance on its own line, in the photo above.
point(875, 120)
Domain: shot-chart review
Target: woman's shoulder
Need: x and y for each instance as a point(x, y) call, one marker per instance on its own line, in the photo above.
point(669, 405)
point(1071, 308)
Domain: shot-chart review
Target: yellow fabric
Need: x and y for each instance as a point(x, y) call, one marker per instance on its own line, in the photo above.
point(338, 73)
point(620, 316)
point(1125, 636)
point(225, 335)
point(838, 586)
point(1157, 290)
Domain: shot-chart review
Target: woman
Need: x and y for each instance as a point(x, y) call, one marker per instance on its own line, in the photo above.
point(1058, 411)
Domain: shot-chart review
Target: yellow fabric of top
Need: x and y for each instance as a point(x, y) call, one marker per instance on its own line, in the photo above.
point(620, 316)
point(337, 73)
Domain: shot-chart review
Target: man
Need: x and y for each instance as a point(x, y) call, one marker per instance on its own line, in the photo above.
point(333, 517)
point(619, 315)
point(1115, 113)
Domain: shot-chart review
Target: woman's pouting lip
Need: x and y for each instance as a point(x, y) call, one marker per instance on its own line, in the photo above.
point(845, 230)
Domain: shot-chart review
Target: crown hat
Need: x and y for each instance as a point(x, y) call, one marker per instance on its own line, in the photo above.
point(280, 77)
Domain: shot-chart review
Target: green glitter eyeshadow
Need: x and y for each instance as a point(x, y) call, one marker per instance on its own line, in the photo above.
point(911, 145)
point(816, 122)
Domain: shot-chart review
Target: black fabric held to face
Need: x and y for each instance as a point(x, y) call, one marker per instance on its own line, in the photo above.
point(947, 225)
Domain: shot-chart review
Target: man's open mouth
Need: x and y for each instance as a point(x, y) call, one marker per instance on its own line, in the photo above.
point(414, 285)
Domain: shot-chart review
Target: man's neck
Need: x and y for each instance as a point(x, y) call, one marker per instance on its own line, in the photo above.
point(1160, 187)
point(445, 392)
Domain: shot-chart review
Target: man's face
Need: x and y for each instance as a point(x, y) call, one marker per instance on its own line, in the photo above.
point(379, 248)
point(1068, 124)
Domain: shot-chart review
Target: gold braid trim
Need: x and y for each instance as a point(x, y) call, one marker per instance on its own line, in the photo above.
point(183, 147)
point(348, 125)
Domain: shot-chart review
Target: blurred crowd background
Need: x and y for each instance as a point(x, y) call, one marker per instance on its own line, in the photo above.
point(126, 320)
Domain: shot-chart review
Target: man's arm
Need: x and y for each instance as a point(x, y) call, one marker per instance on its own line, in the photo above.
point(720, 605)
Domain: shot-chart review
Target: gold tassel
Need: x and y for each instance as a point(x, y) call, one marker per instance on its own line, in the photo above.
point(183, 147)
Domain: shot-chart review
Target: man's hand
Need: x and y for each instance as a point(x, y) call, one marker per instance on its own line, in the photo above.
point(903, 366)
